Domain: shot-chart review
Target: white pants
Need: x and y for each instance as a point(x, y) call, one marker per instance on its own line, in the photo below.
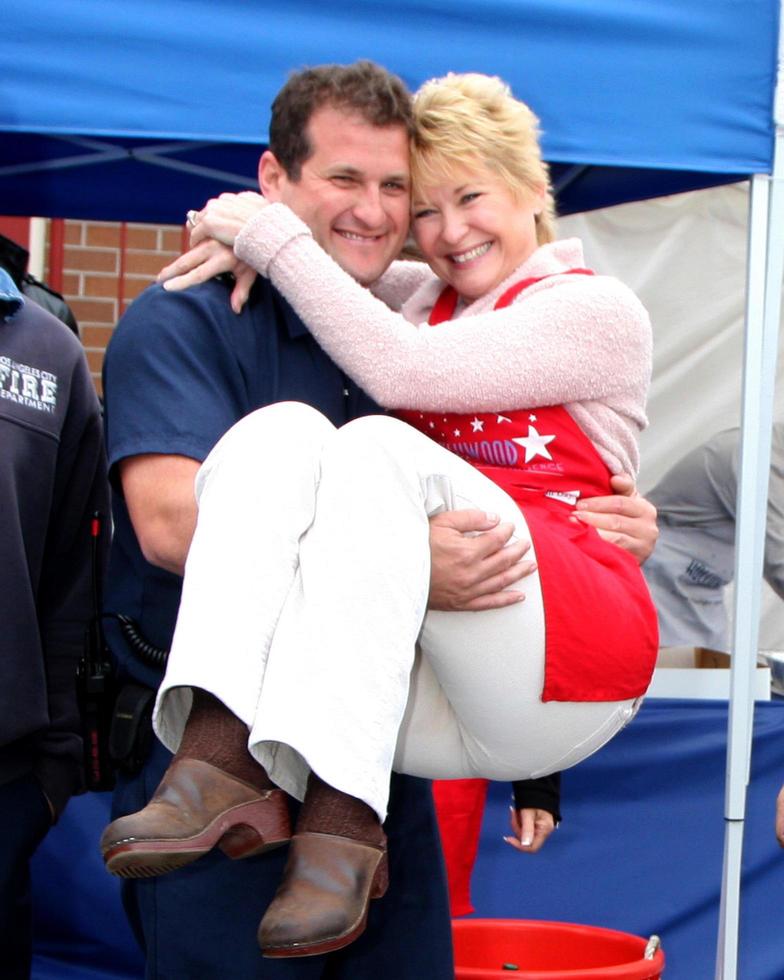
point(304, 611)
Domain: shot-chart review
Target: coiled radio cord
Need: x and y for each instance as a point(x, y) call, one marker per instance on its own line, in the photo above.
point(142, 648)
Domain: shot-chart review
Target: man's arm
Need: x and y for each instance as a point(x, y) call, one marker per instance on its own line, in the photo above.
point(473, 564)
point(158, 491)
point(179, 349)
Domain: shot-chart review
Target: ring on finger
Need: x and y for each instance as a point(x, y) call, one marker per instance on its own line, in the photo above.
point(192, 218)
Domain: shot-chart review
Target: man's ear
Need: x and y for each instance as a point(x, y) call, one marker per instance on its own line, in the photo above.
point(272, 176)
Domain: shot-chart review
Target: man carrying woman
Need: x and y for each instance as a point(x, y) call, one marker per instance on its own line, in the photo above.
point(307, 580)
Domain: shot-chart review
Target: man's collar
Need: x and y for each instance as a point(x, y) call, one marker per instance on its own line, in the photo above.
point(11, 300)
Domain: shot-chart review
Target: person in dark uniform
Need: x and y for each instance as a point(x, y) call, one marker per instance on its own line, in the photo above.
point(13, 258)
point(52, 480)
point(180, 370)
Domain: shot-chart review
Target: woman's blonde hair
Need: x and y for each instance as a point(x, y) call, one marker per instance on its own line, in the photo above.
point(464, 119)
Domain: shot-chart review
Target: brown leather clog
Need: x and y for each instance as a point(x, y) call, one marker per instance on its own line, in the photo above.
point(322, 902)
point(196, 807)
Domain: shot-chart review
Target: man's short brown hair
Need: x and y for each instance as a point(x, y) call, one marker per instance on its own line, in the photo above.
point(365, 88)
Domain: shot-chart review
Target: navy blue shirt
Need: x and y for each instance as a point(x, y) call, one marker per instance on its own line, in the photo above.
point(180, 370)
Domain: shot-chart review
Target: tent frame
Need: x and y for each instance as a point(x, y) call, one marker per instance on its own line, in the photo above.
point(765, 267)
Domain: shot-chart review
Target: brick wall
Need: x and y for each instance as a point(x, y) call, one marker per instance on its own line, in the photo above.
point(105, 265)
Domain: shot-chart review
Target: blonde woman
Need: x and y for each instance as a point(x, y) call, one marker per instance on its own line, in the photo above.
point(518, 378)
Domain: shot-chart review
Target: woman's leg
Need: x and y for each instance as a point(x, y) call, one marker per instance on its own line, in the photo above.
point(342, 554)
point(337, 678)
point(256, 494)
point(337, 685)
point(475, 707)
point(337, 689)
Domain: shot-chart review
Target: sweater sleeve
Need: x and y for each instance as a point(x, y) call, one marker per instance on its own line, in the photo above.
point(572, 338)
point(400, 282)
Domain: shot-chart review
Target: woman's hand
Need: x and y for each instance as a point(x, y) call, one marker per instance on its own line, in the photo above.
point(531, 828)
point(204, 261)
point(213, 230)
point(224, 217)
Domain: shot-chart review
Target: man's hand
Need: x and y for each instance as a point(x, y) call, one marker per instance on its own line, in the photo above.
point(780, 817)
point(531, 828)
point(625, 518)
point(473, 562)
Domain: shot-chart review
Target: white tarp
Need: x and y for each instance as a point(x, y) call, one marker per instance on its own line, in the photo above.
point(685, 257)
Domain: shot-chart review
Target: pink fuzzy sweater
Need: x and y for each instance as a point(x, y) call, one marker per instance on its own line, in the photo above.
point(579, 341)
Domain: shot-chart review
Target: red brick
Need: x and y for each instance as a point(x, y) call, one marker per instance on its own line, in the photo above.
point(147, 263)
point(141, 236)
point(134, 285)
point(93, 311)
point(90, 259)
point(174, 240)
point(98, 385)
point(106, 235)
point(73, 232)
point(96, 337)
point(72, 284)
point(100, 286)
point(94, 361)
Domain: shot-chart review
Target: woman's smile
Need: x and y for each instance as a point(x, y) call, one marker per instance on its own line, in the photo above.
point(476, 252)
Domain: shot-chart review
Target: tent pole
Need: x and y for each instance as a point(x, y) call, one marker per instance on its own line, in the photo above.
point(765, 266)
point(744, 626)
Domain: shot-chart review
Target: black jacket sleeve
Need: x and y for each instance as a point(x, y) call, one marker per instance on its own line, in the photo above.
point(65, 594)
point(541, 794)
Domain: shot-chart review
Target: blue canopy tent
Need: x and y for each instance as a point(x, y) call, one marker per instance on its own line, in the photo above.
point(138, 110)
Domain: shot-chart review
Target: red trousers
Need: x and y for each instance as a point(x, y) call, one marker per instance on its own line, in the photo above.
point(460, 805)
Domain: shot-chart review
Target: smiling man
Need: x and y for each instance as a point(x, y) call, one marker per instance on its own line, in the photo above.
point(180, 371)
point(352, 190)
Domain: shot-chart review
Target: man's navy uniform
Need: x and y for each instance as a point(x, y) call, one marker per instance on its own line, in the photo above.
point(182, 369)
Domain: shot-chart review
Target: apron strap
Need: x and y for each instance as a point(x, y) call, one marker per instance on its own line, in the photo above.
point(446, 304)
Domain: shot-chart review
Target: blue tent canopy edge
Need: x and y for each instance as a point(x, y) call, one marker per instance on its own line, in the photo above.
point(139, 111)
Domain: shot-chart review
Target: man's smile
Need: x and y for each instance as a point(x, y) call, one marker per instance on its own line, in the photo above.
point(355, 236)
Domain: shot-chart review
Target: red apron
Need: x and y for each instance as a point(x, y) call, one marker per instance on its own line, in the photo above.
point(601, 635)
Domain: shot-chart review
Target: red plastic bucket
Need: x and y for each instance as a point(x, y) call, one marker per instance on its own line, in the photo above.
point(500, 949)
